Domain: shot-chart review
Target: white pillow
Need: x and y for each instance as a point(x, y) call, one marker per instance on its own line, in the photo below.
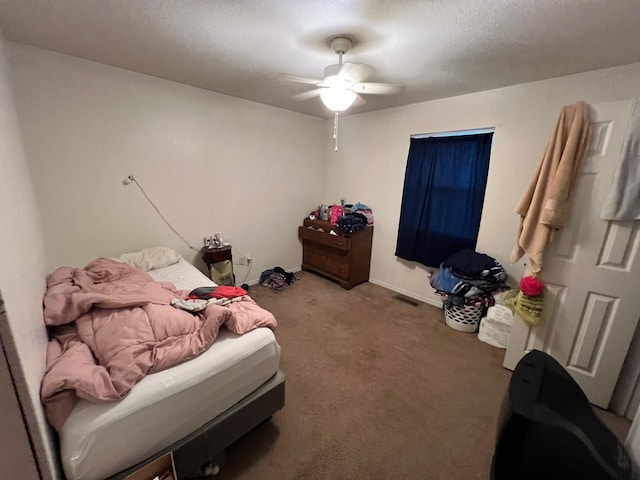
point(150, 258)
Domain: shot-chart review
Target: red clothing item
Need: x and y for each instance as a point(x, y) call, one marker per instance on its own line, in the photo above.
point(222, 291)
point(228, 292)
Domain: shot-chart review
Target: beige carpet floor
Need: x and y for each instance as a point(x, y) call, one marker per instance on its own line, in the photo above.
point(376, 388)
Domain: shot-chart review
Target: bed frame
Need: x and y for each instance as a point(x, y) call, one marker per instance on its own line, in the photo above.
point(209, 442)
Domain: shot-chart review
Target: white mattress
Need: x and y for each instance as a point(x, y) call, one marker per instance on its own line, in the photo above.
point(101, 439)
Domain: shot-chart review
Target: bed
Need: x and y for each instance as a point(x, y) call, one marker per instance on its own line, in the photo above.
point(194, 409)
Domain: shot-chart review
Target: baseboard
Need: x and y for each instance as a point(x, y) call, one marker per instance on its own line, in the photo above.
point(422, 298)
point(431, 301)
point(256, 281)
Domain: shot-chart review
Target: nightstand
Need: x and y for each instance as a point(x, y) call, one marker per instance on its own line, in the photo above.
point(215, 255)
point(212, 256)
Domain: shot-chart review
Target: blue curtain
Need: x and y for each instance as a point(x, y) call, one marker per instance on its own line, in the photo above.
point(443, 195)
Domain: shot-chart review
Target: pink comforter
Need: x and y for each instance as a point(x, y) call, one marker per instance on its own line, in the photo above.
point(112, 324)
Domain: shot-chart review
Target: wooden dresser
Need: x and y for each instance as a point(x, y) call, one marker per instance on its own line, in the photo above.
point(345, 257)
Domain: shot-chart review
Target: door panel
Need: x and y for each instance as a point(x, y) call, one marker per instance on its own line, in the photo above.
point(592, 273)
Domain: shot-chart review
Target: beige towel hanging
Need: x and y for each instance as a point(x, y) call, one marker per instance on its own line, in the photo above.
point(545, 206)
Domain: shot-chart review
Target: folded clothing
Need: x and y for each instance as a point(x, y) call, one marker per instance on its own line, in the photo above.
point(469, 264)
point(469, 274)
point(351, 223)
point(367, 214)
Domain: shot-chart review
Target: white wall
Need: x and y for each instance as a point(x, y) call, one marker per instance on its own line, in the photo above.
point(209, 161)
point(370, 164)
point(22, 285)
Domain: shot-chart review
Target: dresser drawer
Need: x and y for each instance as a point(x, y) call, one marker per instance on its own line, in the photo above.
point(322, 259)
point(323, 238)
point(337, 265)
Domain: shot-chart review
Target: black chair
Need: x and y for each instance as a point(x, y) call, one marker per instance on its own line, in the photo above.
point(548, 430)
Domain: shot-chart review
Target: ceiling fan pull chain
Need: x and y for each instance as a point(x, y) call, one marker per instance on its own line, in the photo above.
point(335, 130)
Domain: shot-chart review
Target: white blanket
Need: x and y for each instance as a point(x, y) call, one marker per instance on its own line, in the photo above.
point(623, 201)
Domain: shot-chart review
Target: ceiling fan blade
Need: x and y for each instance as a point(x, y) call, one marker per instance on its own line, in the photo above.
point(359, 101)
point(355, 72)
point(307, 95)
point(294, 78)
point(378, 88)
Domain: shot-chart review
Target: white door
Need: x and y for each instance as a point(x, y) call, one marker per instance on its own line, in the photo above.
point(592, 273)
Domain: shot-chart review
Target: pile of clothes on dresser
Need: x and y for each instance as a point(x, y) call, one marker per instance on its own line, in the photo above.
point(348, 218)
point(361, 210)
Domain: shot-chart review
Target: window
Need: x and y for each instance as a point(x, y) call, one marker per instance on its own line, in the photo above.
point(443, 194)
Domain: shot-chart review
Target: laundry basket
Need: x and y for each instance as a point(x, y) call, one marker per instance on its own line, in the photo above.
point(465, 318)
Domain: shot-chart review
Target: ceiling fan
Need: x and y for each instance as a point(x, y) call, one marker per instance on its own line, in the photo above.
point(343, 83)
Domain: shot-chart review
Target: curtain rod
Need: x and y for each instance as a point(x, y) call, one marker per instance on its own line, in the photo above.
point(455, 133)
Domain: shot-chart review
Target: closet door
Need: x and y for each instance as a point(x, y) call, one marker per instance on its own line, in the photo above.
point(16, 457)
point(592, 273)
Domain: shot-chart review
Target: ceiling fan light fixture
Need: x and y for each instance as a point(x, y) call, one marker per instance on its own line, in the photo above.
point(337, 99)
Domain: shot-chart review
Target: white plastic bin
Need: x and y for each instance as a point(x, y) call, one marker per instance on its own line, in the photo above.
point(495, 328)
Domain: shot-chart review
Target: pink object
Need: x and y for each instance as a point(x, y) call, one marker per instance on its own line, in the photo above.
point(247, 315)
point(336, 211)
point(113, 324)
point(531, 286)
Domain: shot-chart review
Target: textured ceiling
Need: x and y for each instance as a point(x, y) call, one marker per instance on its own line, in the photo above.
point(437, 48)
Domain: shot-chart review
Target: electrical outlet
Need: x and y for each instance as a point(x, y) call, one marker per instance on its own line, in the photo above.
point(245, 260)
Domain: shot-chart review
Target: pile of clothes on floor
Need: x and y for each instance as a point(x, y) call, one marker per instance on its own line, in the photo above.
point(277, 278)
point(467, 275)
